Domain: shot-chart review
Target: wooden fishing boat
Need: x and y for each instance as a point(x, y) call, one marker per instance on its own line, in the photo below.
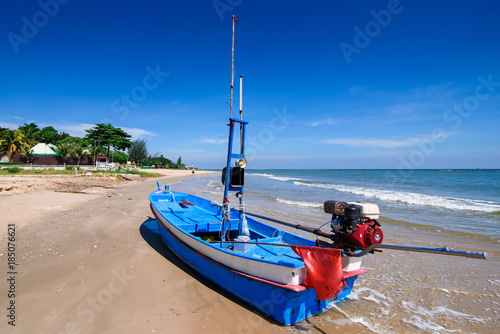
point(285, 276)
point(261, 272)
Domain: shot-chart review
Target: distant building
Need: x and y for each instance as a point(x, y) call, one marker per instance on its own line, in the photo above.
point(102, 162)
point(44, 149)
point(45, 154)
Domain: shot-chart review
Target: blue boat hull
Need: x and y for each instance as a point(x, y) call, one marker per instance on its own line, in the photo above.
point(284, 303)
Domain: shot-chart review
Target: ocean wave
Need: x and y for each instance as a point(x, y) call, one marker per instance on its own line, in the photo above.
point(210, 192)
point(300, 203)
point(261, 174)
point(215, 184)
point(279, 178)
point(451, 203)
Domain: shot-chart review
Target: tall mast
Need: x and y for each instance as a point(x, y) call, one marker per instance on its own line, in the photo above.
point(241, 97)
point(232, 72)
point(241, 114)
point(233, 177)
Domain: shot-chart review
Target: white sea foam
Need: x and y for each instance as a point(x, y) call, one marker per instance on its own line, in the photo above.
point(261, 174)
point(494, 281)
point(358, 320)
point(286, 178)
point(424, 325)
point(210, 192)
point(373, 295)
point(279, 178)
point(451, 203)
point(300, 203)
point(430, 313)
point(215, 184)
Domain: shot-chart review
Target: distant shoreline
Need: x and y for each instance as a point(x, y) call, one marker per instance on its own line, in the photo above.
point(388, 169)
point(468, 170)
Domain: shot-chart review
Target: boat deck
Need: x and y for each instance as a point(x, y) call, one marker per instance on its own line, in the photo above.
point(205, 225)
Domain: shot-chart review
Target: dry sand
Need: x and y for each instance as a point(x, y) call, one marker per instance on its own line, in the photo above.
point(84, 265)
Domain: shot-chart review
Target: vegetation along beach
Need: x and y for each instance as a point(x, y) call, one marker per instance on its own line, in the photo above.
point(235, 166)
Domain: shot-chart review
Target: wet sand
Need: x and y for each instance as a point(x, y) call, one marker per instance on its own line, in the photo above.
point(85, 263)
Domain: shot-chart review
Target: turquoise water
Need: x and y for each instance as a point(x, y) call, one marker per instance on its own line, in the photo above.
point(403, 292)
point(461, 201)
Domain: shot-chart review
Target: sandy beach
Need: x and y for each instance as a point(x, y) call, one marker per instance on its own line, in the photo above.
point(84, 263)
point(83, 266)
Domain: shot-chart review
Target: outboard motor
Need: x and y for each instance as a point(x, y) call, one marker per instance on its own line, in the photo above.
point(351, 218)
point(354, 224)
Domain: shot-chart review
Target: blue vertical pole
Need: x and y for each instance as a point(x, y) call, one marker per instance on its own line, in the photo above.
point(226, 215)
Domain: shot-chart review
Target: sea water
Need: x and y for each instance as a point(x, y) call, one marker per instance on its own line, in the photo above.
point(402, 292)
point(465, 201)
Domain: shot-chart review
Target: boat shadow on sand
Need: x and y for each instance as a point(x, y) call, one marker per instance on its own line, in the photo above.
point(150, 233)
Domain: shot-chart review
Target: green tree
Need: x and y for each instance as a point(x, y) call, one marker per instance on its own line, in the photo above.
point(138, 151)
point(107, 135)
point(12, 142)
point(79, 150)
point(64, 151)
point(77, 147)
point(165, 161)
point(159, 160)
point(179, 162)
point(120, 157)
point(2, 130)
point(73, 141)
point(31, 132)
point(60, 136)
point(29, 155)
point(95, 151)
point(48, 135)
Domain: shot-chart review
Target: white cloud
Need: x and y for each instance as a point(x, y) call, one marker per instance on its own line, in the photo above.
point(77, 130)
point(213, 141)
point(327, 121)
point(138, 133)
point(388, 143)
point(11, 126)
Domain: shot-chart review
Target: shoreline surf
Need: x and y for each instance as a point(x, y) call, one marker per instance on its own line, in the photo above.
point(402, 291)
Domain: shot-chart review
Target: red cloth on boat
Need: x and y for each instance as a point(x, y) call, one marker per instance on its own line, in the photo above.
point(185, 204)
point(324, 270)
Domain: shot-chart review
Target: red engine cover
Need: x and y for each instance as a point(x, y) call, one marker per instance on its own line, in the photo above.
point(367, 234)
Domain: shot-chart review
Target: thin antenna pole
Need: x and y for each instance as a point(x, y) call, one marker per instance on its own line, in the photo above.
point(241, 97)
point(232, 73)
point(241, 114)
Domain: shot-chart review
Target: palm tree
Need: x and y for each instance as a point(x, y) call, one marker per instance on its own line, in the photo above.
point(31, 132)
point(95, 151)
point(12, 142)
point(64, 151)
point(28, 154)
point(79, 151)
point(2, 130)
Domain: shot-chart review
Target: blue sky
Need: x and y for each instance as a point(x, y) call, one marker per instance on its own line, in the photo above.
point(327, 84)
